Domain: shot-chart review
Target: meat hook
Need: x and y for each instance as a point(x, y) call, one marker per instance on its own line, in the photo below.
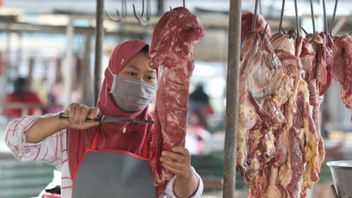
point(324, 17)
point(297, 20)
point(140, 18)
point(260, 7)
point(333, 16)
point(282, 15)
point(118, 17)
point(254, 19)
point(305, 31)
point(313, 16)
point(264, 31)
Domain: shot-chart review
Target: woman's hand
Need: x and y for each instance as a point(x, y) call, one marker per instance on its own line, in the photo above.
point(47, 126)
point(178, 162)
point(78, 113)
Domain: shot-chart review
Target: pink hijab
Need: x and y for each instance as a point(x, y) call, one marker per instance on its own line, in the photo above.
point(114, 136)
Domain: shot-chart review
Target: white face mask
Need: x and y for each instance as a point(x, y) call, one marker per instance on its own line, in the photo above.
point(132, 95)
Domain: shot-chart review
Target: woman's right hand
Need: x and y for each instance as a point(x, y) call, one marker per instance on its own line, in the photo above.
point(78, 113)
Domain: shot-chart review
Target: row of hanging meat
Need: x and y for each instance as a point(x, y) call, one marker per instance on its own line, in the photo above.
point(282, 81)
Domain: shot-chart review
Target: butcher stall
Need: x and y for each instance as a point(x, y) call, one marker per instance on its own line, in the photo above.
point(275, 76)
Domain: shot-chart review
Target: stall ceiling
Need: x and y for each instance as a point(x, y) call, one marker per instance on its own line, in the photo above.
point(88, 6)
point(213, 13)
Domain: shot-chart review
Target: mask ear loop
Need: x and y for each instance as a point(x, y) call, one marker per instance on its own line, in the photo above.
point(113, 84)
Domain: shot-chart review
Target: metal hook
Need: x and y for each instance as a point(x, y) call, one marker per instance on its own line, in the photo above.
point(333, 16)
point(283, 31)
point(260, 7)
point(304, 30)
point(118, 17)
point(140, 17)
point(254, 19)
point(324, 17)
point(266, 27)
point(282, 14)
point(297, 21)
point(313, 16)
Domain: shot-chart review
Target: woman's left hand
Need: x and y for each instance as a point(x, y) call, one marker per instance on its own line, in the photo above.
point(178, 162)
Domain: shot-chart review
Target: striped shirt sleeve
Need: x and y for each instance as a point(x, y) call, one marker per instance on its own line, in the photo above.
point(169, 191)
point(48, 150)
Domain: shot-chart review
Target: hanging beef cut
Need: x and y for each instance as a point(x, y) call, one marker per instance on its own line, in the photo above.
point(264, 90)
point(324, 62)
point(279, 147)
point(171, 52)
point(246, 24)
point(342, 70)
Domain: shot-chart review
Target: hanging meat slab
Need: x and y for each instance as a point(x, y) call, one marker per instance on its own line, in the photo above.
point(264, 89)
point(342, 70)
point(246, 24)
point(279, 147)
point(171, 52)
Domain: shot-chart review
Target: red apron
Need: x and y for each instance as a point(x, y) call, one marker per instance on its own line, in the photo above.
point(112, 173)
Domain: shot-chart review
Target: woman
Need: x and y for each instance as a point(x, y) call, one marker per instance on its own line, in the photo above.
point(107, 159)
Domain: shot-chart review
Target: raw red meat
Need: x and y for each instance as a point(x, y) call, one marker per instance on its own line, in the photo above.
point(324, 45)
point(246, 26)
point(342, 70)
point(264, 90)
point(171, 52)
point(279, 147)
point(312, 59)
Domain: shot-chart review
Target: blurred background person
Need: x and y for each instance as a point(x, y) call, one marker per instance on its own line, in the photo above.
point(196, 134)
point(22, 100)
point(199, 102)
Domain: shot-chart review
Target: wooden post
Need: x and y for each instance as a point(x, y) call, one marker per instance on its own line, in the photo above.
point(99, 35)
point(232, 90)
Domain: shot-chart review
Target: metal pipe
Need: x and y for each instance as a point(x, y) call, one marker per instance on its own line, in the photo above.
point(148, 10)
point(70, 71)
point(160, 7)
point(87, 90)
point(124, 8)
point(260, 7)
point(313, 16)
point(282, 15)
point(98, 48)
point(232, 96)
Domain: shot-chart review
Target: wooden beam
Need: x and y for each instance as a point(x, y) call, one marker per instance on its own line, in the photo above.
point(232, 89)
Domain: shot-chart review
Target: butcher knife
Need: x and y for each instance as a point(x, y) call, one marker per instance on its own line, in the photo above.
point(103, 118)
